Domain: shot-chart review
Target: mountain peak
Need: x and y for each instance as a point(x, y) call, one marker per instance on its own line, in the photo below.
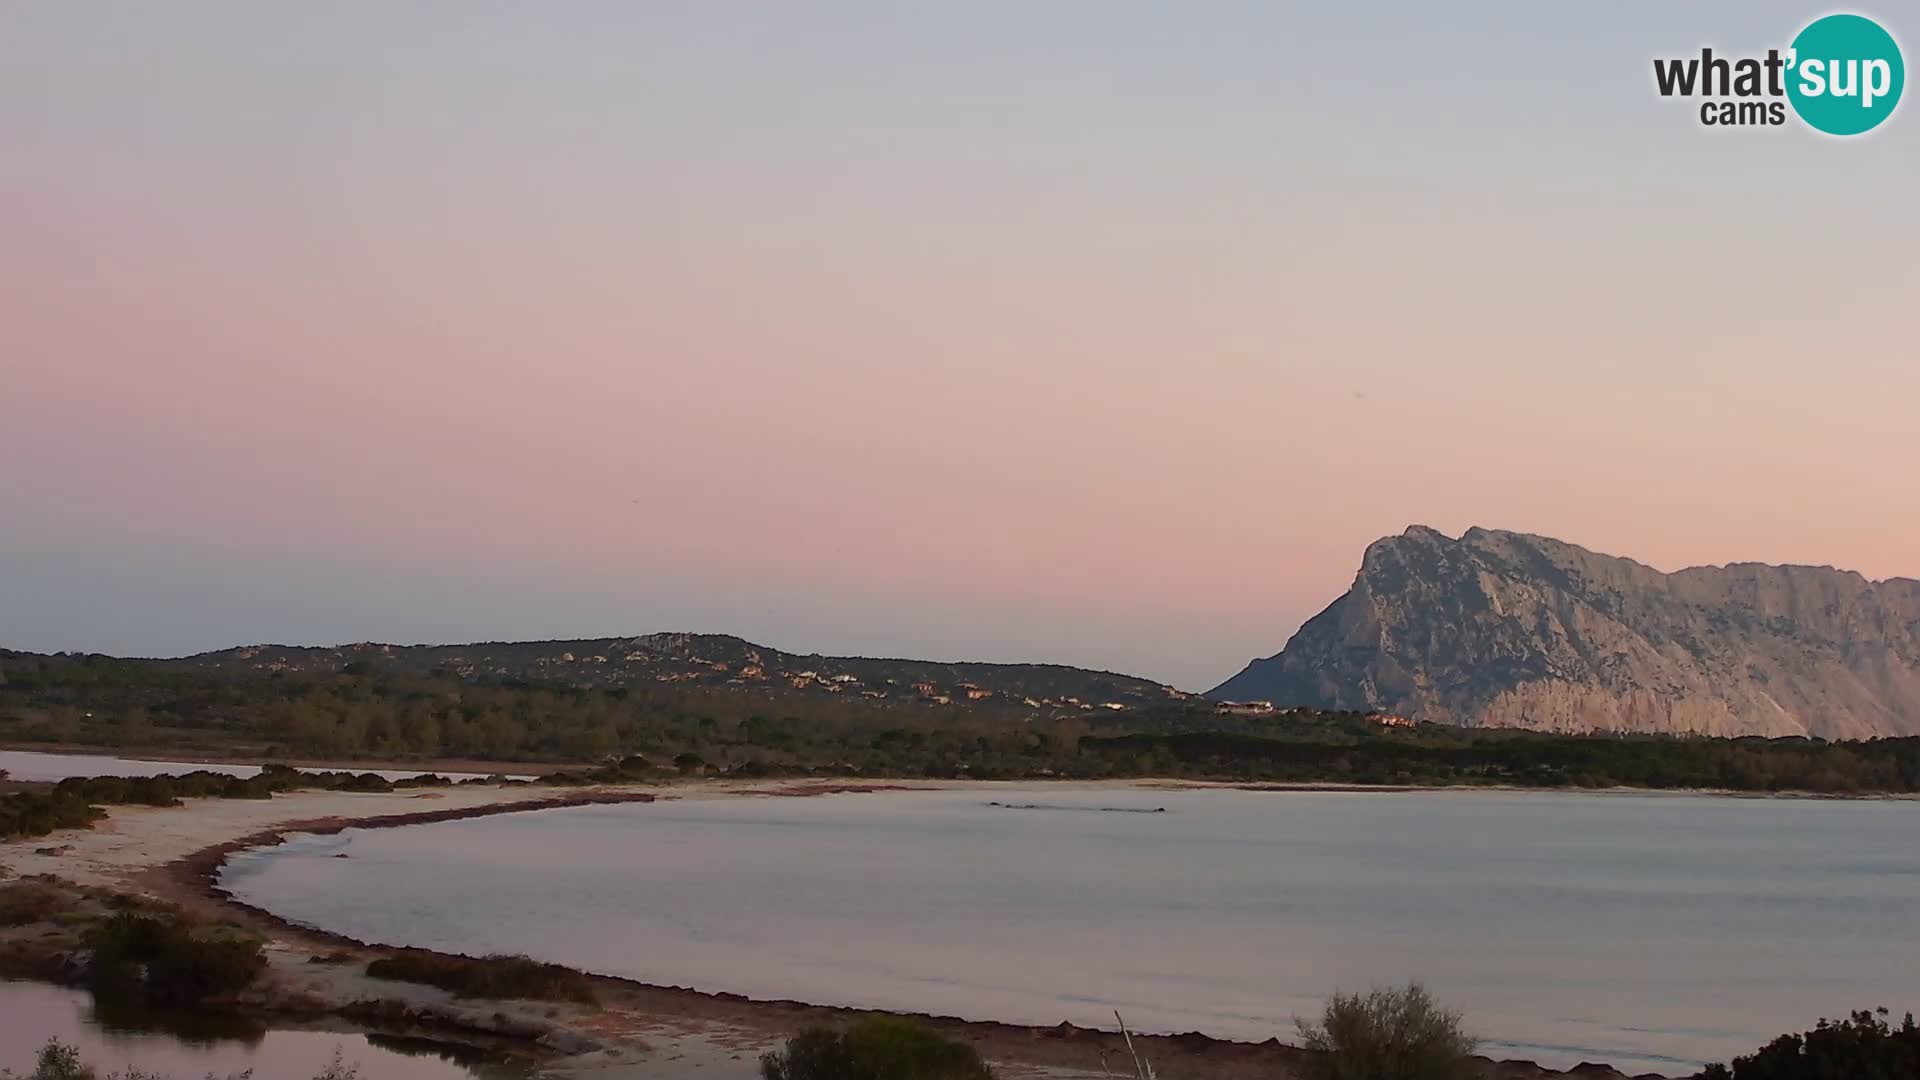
point(1513, 629)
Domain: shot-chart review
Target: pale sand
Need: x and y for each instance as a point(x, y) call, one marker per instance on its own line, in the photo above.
point(138, 838)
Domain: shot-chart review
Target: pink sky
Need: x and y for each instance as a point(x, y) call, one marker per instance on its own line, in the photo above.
point(935, 375)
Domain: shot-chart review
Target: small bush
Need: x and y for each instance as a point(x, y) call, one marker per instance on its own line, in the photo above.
point(1390, 1034)
point(487, 976)
point(881, 1048)
point(57, 1061)
point(23, 903)
point(166, 963)
point(1862, 1047)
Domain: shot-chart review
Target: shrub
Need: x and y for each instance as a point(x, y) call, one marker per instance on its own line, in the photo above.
point(421, 780)
point(881, 1048)
point(818, 1053)
point(165, 963)
point(1390, 1034)
point(367, 781)
point(34, 813)
point(25, 902)
point(1861, 1047)
point(57, 1061)
point(486, 976)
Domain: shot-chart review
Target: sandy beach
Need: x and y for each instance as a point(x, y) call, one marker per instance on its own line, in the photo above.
point(638, 1030)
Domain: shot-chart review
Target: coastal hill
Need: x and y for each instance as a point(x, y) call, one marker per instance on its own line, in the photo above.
point(709, 704)
point(1506, 629)
point(714, 697)
point(708, 660)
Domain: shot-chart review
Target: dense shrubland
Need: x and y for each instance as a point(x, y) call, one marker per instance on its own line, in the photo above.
point(1431, 754)
point(167, 962)
point(362, 712)
point(1865, 1046)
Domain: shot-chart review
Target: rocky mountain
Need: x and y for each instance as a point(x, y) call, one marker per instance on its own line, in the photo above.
point(720, 660)
point(1511, 630)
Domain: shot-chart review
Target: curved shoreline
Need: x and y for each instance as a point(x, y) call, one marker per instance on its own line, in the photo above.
point(195, 877)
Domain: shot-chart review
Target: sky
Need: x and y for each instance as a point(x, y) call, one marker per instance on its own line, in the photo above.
point(1100, 333)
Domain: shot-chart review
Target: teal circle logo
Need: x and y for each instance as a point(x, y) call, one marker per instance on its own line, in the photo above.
point(1845, 74)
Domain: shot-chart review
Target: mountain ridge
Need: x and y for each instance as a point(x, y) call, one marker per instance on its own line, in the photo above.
point(1514, 629)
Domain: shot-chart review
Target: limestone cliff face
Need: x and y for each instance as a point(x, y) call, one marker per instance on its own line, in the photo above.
point(1506, 629)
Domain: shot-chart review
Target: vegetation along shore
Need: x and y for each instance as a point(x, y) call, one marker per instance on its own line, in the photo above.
point(695, 719)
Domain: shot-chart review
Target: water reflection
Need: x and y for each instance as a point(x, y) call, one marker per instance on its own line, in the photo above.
point(471, 1057)
point(117, 1015)
point(186, 1045)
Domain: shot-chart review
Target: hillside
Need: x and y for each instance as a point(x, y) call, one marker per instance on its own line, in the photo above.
point(1512, 630)
point(686, 704)
point(716, 660)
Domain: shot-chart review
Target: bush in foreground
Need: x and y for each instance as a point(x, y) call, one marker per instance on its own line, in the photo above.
point(1390, 1034)
point(165, 962)
point(1862, 1047)
point(486, 976)
point(881, 1048)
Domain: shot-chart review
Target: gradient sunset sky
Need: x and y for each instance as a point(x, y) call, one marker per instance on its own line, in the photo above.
point(1090, 332)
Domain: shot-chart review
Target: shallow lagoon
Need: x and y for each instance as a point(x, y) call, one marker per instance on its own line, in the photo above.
point(1653, 932)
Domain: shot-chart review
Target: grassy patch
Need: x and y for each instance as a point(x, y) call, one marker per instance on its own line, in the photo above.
point(880, 1048)
point(23, 903)
point(486, 976)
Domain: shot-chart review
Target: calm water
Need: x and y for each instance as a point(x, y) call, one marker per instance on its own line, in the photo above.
point(1652, 932)
point(48, 768)
point(32, 1013)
